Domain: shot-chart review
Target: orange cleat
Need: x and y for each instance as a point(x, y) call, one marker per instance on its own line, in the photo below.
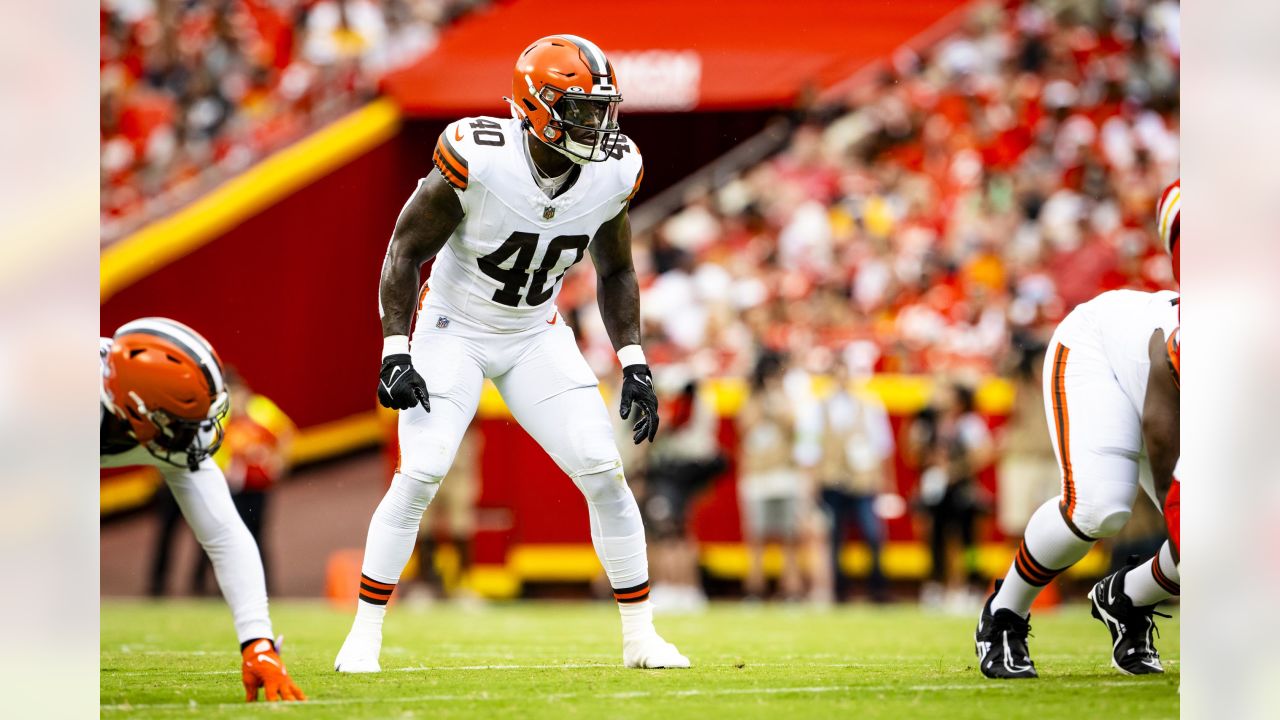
point(264, 669)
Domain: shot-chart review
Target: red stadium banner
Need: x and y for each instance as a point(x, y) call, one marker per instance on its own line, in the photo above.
point(671, 55)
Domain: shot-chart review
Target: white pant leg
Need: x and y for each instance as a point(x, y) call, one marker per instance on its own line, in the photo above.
point(206, 504)
point(451, 364)
point(553, 395)
point(1097, 434)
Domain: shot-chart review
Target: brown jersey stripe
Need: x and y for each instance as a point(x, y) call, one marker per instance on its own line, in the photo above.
point(454, 157)
point(450, 175)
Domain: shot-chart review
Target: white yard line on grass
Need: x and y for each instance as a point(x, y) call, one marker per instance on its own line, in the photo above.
point(723, 662)
point(628, 695)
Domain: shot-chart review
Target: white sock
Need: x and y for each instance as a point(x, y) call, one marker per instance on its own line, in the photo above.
point(393, 532)
point(369, 616)
point(1155, 580)
point(1048, 547)
point(637, 619)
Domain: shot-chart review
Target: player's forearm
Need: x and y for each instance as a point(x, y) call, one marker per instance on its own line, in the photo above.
point(397, 290)
point(618, 296)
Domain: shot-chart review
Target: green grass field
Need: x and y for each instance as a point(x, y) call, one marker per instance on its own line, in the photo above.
point(563, 660)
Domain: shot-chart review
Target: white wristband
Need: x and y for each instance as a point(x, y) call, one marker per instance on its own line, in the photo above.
point(631, 355)
point(395, 345)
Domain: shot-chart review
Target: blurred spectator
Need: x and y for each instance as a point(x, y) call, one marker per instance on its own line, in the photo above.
point(679, 465)
point(856, 466)
point(772, 490)
point(254, 457)
point(950, 444)
point(1028, 470)
point(980, 187)
point(194, 91)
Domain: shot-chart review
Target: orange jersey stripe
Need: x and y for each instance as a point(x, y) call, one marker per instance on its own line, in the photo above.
point(635, 188)
point(449, 174)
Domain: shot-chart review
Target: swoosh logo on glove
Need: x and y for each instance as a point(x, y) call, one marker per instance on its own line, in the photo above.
point(267, 658)
point(397, 374)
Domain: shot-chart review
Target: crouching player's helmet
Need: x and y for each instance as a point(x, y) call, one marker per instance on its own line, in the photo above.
point(567, 94)
point(166, 381)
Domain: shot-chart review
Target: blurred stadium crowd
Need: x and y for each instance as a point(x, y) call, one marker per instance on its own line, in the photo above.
point(939, 221)
point(976, 192)
point(193, 91)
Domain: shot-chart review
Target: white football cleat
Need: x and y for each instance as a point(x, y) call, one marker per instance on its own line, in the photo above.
point(651, 651)
point(359, 653)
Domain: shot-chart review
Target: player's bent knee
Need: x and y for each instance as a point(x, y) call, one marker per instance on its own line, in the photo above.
point(1100, 522)
point(428, 463)
point(603, 487)
point(590, 451)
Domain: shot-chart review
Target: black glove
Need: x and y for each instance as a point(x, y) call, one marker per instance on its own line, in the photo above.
point(400, 386)
point(637, 387)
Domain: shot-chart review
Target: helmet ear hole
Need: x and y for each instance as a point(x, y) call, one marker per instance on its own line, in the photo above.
point(531, 106)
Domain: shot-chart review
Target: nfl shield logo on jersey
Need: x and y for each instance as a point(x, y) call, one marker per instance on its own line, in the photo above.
point(442, 322)
point(548, 213)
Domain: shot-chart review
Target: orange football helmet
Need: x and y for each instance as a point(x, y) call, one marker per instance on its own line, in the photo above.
point(166, 381)
point(1168, 211)
point(567, 94)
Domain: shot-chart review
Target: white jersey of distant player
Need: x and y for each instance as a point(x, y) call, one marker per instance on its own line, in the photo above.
point(1124, 321)
point(502, 267)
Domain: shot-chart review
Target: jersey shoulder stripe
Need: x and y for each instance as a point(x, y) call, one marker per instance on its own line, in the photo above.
point(630, 167)
point(451, 163)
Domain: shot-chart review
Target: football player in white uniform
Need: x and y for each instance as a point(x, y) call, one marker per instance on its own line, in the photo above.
point(510, 206)
point(1104, 362)
point(162, 403)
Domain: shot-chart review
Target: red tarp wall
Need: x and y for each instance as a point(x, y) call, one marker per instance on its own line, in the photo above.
point(669, 54)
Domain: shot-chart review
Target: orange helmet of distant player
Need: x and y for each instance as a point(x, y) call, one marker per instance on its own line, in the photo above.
point(1167, 211)
point(166, 381)
point(567, 94)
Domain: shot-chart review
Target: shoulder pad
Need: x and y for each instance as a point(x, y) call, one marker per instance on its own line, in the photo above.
point(449, 160)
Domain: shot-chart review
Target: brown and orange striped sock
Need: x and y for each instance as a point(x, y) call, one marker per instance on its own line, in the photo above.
point(633, 594)
point(1048, 547)
point(374, 592)
point(1155, 580)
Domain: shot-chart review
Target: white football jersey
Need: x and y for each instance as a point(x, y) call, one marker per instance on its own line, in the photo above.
point(501, 268)
point(1124, 321)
